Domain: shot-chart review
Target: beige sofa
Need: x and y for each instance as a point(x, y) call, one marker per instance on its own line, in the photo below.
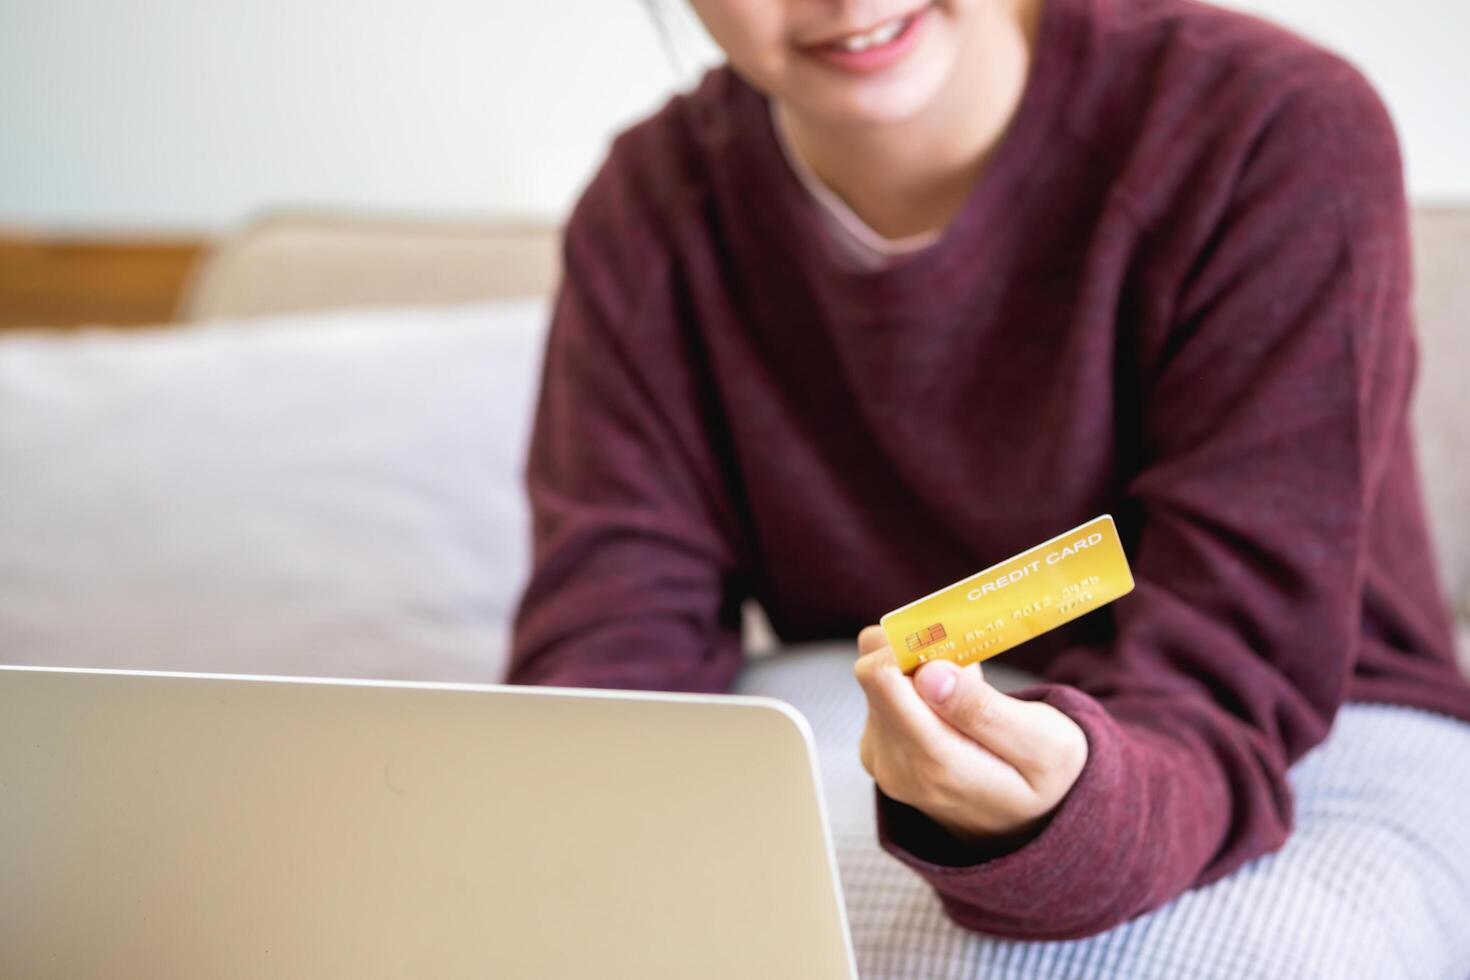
point(304, 260)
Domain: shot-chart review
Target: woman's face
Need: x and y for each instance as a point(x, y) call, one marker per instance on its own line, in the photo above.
point(844, 61)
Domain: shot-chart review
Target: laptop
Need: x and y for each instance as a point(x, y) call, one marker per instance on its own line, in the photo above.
point(158, 825)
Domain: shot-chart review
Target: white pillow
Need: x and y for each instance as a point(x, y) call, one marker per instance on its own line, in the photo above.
point(327, 494)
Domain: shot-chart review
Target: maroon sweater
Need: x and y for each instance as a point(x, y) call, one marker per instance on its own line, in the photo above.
point(1179, 293)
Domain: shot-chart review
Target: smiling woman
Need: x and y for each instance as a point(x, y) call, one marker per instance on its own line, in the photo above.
point(1205, 330)
point(919, 94)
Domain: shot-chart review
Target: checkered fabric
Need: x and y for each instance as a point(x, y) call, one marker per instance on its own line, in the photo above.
point(1374, 882)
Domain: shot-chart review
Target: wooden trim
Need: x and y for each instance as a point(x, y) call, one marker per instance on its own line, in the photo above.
point(71, 281)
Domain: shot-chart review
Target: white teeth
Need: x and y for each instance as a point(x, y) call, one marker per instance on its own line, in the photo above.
point(881, 34)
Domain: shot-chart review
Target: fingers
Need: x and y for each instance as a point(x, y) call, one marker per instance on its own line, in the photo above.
point(946, 742)
point(898, 707)
point(1025, 734)
point(871, 638)
point(917, 758)
point(900, 717)
point(959, 698)
point(891, 695)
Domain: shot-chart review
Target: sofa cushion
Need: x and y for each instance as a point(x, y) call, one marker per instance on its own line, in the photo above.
point(1442, 411)
point(1464, 645)
point(294, 260)
point(331, 494)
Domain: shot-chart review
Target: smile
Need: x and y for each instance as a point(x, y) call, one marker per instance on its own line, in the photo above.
point(881, 34)
point(872, 48)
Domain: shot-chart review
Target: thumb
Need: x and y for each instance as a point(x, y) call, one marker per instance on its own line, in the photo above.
point(963, 698)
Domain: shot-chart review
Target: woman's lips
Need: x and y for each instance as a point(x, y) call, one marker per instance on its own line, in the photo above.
point(873, 49)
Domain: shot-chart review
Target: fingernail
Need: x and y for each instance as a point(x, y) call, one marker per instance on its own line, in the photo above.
point(936, 681)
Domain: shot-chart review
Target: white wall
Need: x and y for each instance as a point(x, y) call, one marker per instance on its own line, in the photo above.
point(189, 114)
point(1415, 53)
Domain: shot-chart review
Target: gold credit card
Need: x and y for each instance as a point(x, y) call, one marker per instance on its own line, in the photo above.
point(1007, 604)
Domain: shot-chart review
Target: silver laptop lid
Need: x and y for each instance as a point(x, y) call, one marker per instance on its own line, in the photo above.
point(176, 825)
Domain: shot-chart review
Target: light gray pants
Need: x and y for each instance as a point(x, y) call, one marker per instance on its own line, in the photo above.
point(1374, 882)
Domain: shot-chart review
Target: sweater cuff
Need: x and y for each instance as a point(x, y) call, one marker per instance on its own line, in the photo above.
point(1052, 885)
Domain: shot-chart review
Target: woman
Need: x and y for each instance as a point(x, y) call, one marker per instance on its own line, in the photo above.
point(909, 287)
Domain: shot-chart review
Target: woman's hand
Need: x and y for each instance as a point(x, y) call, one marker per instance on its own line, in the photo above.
point(978, 762)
